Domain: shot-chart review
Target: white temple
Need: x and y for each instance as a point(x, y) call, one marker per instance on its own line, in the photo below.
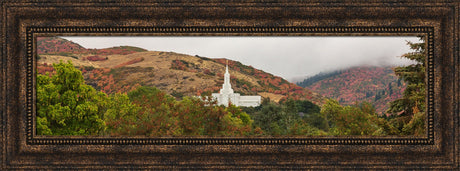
point(226, 95)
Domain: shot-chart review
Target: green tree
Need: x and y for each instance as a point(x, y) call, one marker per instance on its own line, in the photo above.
point(267, 118)
point(316, 120)
point(120, 109)
point(284, 118)
point(66, 105)
point(305, 129)
point(307, 107)
point(358, 119)
point(412, 104)
point(330, 110)
point(289, 115)
point(237, 122)
point(311, 114)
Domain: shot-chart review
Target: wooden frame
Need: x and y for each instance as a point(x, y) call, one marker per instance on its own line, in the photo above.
point(23, 20)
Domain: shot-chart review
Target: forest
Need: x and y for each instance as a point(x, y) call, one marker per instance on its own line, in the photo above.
point(67, 105)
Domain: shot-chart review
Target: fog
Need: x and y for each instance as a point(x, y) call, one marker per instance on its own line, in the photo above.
point(288, 57)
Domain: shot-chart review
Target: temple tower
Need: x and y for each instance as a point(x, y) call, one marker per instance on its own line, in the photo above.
point(226, 94)
point(226, 87)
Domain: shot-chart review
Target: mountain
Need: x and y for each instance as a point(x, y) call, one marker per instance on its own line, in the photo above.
point(121, 69)
point(377, 85)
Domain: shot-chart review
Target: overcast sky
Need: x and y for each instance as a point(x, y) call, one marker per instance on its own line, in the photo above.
point(288, 57)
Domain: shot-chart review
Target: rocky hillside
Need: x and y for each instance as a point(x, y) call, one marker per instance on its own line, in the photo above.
point(378, 85)
point(122, 69)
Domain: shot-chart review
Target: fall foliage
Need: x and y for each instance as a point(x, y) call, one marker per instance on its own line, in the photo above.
point(128, 99)
point(67, 106)
point(376, 85)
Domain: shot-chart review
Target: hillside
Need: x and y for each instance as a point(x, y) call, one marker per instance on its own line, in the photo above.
point(122, 69)
point(63, 47)
point(377, 85)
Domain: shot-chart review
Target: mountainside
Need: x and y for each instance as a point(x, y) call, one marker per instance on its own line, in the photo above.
point(377, 85)
point(122, 69)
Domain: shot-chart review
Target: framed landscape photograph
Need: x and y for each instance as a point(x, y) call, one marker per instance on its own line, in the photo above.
point(230, 85)
point(170, 93)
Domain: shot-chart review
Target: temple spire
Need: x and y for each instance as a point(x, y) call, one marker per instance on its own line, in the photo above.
point(226, 68)
point(226, 87)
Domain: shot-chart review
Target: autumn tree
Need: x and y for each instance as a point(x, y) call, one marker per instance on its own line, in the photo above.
point(120, 109)
point(154, 117)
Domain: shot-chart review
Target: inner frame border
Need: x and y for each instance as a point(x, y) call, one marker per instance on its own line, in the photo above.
point(31, 139)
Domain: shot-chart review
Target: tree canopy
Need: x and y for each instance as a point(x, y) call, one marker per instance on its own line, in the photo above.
point(66, 105)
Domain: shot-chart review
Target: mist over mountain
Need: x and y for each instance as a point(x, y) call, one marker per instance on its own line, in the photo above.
point(284, 56)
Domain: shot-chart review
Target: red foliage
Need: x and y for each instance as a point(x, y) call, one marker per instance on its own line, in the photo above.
point(44, 68)
point(179, 65)
point(362, 84)
point(56, 45)
point(105, 82)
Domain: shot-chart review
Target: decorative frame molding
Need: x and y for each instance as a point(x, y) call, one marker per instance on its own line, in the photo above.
point(210, 31)
point(23, 20)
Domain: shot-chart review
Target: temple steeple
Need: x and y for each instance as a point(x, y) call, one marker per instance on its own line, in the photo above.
point(226, 87)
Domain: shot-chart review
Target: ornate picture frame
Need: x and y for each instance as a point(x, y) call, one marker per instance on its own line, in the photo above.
point(24, 20)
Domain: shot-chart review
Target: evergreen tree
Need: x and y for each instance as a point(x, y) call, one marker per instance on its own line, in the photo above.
point(412, 104)
point(284, 118)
